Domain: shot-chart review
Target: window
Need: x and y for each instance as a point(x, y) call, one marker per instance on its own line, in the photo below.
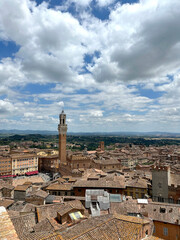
point(160, 199)
point(79, 190)
point(170, 210)
point(162, 210)
point(171, 200)
point(142, 195)
point(165, 231)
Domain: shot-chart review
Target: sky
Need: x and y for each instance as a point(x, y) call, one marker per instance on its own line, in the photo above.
point(113, 66)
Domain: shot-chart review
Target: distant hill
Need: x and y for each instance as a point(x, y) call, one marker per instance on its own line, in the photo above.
point(25, 132)
point(126, 134)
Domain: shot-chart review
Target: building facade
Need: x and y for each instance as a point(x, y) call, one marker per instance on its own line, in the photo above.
point(160, 175)
point(5, 166)
point(106, 165)
point(5, 149)
point(165, 185)
point(77, 161)
point(48, 163)
point(23, 163)
point(166, 231)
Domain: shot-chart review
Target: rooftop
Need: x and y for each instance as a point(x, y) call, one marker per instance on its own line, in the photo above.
point(107, 227)
point(60, 187)
point(6, 202)
point(7, 230)
point(163, 212)
point(38, 193)
point(111, 181)
point(21, 187)
point(24, 224)
point(50, 210)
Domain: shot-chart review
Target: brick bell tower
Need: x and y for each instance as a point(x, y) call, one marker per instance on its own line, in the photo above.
point(62, 128)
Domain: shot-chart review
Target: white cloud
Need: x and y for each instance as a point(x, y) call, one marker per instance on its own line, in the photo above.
point(50, 48)
point(28, 114)
point(96, 113)
point(135, 49)
point(142, 40)
point(6, 107)
point(103, 3)
point(11, 73)
point(134, 44)
point(61, 104)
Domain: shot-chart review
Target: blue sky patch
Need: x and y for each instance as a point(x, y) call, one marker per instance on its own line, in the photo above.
point(8, 49)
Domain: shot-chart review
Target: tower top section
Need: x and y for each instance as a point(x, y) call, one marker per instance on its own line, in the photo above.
point(62, 127)
point(62, 118)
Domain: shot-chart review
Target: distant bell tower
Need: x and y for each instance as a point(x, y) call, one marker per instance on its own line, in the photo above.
point(62, 128)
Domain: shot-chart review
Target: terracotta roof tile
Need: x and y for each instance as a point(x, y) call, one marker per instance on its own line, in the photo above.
point(39, 193)
point(3, 184)
point(43, 235)
point(112, 181)
point(47, 211)
point(137, 183)
point(21, 188)
point(44, 225)
point(7, 230)
point(17, 206)
point(50, 210)
point(60, 187)
point(107, 227)
point(152, 238)
point(6, 202)
point(24, 224)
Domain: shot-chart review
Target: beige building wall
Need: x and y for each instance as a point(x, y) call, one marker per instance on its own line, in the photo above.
point(22, 163)
point(5, 166)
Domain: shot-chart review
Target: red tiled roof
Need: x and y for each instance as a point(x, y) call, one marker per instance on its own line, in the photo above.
point(5, 176)
point(31, 173)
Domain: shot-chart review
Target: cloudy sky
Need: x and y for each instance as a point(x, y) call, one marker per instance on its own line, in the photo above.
point(111, 65)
